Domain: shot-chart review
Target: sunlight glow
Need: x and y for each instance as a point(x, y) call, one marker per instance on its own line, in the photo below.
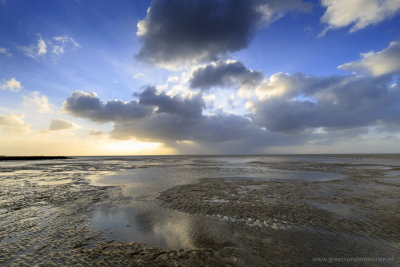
point(132, 147)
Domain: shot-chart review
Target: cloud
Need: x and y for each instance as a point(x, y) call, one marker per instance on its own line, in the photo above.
point(184, 107)
point(176, 121)
point(96, 133)
point(358, 13)
point(42, 47)
point(286, 85)
point(40, 102)
point(283, 110)
point(386, 61)
point(224, 74)
point(57, 46)
point(12, 84)
point(307, 109)
point(85, 105)
point(35, 50)
point(138, 75)
point(61, 42)
point(58, 125)
point(176, 31)
point(306, 103)
point(14, 123)
point(221, 132)
point(5, 51)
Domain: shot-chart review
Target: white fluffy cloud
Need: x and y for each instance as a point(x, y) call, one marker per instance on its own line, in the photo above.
point(40, 102)
point(358, 13)
point(386, 61)
point(35, 50)
point(12, 84)
point(42, 47)
point(276, 85)
point(14, 123)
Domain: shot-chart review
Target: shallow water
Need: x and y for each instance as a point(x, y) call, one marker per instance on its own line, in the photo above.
point(143, 220)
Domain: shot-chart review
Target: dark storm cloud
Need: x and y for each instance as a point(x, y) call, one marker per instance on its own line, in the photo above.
point(222, 132)
point(172, 127)
point(224, 74)
point(332, 102)
point(89, 106)
point(184, 107)
point(199, 30)
point(306, 110)
point(172, 119)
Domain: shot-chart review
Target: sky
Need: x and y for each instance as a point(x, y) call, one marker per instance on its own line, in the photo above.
point(149, 77)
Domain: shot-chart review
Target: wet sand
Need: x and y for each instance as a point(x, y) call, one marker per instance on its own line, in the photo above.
point(46, 211)
point(45, 221)
point(292, 222)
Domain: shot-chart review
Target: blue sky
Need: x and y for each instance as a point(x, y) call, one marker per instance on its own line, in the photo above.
point(51, 49)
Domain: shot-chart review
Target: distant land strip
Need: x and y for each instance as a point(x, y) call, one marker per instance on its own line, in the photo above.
point(2, 158)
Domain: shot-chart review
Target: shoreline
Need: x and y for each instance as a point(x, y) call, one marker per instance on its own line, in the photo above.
point(9, 158)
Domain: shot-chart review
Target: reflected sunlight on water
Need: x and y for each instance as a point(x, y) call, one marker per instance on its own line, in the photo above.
point(143, 220)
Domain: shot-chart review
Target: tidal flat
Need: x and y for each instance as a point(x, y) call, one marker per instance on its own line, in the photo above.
point(201, 211)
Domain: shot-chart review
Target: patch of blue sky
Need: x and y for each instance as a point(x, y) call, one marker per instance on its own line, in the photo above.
point(291, 44)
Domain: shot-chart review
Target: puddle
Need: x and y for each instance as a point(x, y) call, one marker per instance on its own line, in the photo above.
point(143, 184)
point(143, 219)
point(146, 222)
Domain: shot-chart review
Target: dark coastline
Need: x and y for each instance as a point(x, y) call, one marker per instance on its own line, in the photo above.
point(4, 158)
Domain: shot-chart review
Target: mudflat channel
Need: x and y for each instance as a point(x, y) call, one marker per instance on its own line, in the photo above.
point(339, 210)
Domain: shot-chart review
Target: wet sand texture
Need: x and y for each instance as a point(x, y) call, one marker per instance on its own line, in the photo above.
point(48, 225)
point(290, 222)
point(267, 223)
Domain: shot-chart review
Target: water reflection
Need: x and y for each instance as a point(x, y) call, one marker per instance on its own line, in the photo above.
point(145, 184)
point(146, 222)
point(143, 220)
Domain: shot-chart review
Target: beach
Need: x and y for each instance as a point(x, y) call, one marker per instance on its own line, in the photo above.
point(201, 210)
